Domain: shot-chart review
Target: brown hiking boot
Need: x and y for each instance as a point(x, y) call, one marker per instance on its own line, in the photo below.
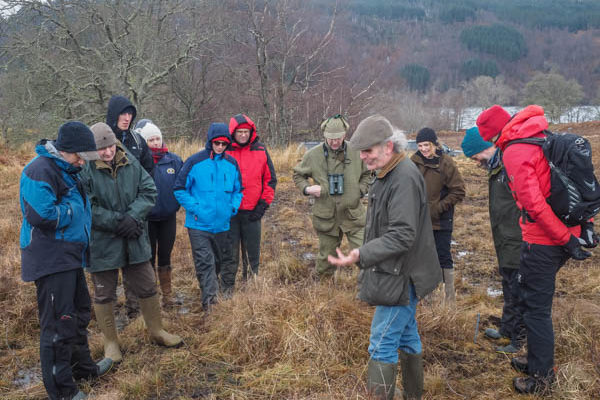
point(164, 277)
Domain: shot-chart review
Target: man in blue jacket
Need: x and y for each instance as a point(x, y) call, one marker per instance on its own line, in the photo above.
point(209, 187)
point(54, 248)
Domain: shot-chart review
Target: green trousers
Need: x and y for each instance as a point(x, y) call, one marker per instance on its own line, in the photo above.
point(328, 244)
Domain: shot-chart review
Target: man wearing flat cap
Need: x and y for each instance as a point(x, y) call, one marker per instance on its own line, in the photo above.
point(398, 258)
point(57, 220)
point(339, 180)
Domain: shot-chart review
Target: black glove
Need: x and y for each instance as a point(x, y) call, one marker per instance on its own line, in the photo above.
point(588, 237)
point(573, 247)
point(138, 231)
point(259, 211)
point(127, 226)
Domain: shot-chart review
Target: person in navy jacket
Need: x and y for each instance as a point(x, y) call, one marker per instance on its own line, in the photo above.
point(162, 220)
point(55, 237)
point(209, 187)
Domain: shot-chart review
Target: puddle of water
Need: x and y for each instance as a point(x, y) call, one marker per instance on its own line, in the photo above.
point(493, 292)
point(293, 242)
point(28, 377)
point(308, 256)
point(453, 243)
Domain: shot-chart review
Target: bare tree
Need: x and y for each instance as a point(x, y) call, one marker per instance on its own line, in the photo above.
point(288, 51)
point(77, 53)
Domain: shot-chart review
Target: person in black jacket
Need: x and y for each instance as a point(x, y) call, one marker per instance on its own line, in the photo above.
point(120, 116)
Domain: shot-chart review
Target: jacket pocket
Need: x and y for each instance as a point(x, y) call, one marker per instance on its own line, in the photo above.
point(323, 216)
point(380, 288)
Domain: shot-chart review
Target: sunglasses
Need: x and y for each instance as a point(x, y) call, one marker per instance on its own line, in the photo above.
point(220, 143)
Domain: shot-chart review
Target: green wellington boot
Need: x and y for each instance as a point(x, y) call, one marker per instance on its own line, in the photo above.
point(412, 375)
point(381, 379)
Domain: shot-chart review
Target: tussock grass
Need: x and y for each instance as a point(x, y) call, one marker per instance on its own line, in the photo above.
point(284, 335)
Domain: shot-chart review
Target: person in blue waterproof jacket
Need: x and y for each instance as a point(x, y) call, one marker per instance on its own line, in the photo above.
point(162, 220)
point(54, 250)
point(209, 187)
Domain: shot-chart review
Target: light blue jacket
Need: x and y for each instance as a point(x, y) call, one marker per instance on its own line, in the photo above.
point(209, 186)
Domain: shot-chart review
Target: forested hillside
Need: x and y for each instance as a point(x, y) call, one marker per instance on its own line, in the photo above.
point(289, 63)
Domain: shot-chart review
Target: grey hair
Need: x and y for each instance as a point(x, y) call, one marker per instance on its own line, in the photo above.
point(398, 138)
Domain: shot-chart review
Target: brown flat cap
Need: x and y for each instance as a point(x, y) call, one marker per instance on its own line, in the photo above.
point(371, 131)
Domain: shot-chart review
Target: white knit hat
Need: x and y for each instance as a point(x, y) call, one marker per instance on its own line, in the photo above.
point(147, 129)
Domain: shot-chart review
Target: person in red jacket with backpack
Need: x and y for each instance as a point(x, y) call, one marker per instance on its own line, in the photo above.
point(258, 182)
point(547, 242)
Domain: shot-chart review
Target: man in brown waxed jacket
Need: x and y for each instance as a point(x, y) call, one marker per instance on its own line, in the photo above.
point(398, 258)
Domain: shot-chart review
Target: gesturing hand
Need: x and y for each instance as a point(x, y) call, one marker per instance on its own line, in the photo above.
point(342, 260)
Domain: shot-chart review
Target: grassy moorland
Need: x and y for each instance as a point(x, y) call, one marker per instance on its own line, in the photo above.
point(286, 336)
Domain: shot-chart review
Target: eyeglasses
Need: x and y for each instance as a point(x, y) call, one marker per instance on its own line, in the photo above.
point(220, 143)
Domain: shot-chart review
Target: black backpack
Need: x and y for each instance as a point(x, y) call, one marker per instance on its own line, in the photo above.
point(574, 189)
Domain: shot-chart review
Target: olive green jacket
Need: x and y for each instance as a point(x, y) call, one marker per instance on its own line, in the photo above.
point(331, 212)
point(504, 219)
point(399, 247)
point(445, 188)
point(126, 188)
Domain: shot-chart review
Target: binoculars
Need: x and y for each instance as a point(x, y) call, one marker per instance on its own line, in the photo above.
point(336, 184)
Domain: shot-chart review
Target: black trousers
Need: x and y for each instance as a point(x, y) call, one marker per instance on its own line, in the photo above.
point(64, 308)
point(247, 233)
point(537, 281)
point(443, 238)
point(511, 324)
point(162, 239)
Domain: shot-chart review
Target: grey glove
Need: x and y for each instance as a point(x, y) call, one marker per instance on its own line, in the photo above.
point(588, 237)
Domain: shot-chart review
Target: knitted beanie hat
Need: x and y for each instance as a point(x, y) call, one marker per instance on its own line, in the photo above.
point(491, 121)
point(427, 135)
point(76, 137)
point(147, 129)
point(473, 143)
point(103, 135)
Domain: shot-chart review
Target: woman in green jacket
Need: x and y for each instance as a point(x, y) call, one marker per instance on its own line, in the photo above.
point(122, 194)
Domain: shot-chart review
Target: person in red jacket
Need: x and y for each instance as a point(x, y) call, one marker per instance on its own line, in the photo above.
point(547, 242)
point(258, 182)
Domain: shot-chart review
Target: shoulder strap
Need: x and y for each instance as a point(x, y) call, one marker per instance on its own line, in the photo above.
point(534, 140)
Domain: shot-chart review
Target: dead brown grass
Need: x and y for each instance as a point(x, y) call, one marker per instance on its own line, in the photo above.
point(286, 336)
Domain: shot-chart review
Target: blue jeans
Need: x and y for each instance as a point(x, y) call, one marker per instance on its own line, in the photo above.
point(393, 328)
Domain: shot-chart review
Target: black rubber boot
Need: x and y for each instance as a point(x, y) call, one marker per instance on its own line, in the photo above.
point(381, 379)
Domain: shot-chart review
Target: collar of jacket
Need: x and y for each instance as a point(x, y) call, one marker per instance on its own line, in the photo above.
point(395, 160)
point(119, 161)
